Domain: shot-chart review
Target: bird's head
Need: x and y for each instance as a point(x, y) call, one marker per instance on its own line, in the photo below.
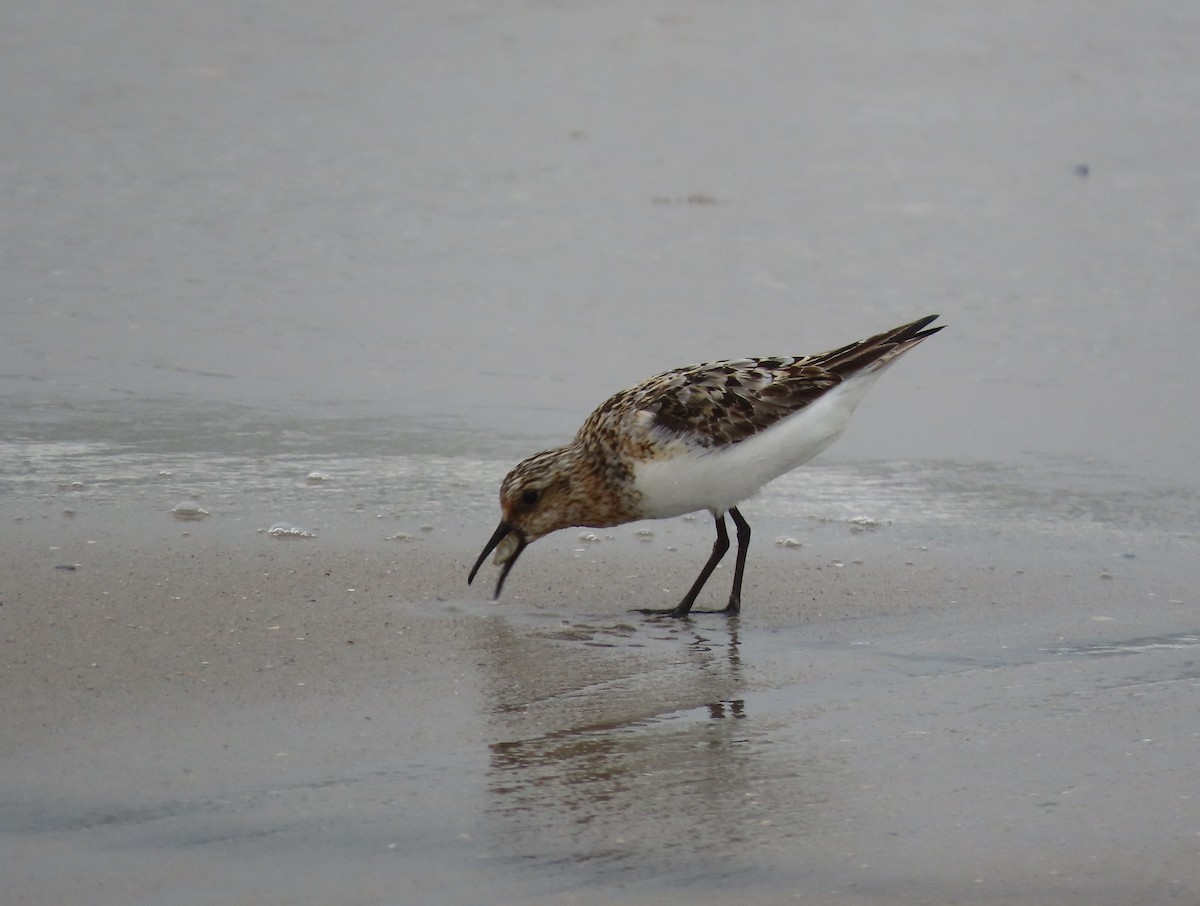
point(541, 495)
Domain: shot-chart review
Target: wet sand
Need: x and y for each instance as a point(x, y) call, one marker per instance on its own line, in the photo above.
point(189, 721)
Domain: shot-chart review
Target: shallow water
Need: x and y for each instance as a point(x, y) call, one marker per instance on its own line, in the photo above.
point(617, 761)
point(299, 473)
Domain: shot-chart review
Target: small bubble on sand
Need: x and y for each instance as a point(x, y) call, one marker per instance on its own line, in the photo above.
point(189, 511)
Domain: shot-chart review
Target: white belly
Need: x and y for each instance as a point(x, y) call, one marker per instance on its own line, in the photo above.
point(695, 478)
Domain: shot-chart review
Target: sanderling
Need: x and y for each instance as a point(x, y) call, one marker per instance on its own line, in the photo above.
point(703, 437)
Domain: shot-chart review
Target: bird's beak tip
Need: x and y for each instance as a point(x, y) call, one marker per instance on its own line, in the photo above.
point(503, 531)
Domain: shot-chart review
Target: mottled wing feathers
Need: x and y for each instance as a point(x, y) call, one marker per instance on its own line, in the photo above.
point(719, 403)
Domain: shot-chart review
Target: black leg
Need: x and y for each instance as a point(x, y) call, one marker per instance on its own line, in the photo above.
point(743, 537)
point(720, 546)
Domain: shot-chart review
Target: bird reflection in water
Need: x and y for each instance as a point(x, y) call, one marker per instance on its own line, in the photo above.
point(633, 760)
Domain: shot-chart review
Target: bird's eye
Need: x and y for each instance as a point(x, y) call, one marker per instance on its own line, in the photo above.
point(530, 496)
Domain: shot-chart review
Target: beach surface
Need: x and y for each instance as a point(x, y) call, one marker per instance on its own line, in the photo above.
point(190, 720)
point(287, 289)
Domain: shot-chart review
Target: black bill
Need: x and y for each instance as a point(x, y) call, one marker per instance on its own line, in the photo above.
point(503, 530)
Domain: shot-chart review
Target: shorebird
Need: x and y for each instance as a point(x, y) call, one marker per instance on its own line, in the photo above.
point(702, 437)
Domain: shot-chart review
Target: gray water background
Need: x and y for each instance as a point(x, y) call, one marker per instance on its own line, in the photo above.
point(456, 228)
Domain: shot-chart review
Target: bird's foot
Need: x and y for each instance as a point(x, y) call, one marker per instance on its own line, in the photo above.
point(730, 610)
point(662, 612)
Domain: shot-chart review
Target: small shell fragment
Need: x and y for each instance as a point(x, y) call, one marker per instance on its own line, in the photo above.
point(505, 549)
